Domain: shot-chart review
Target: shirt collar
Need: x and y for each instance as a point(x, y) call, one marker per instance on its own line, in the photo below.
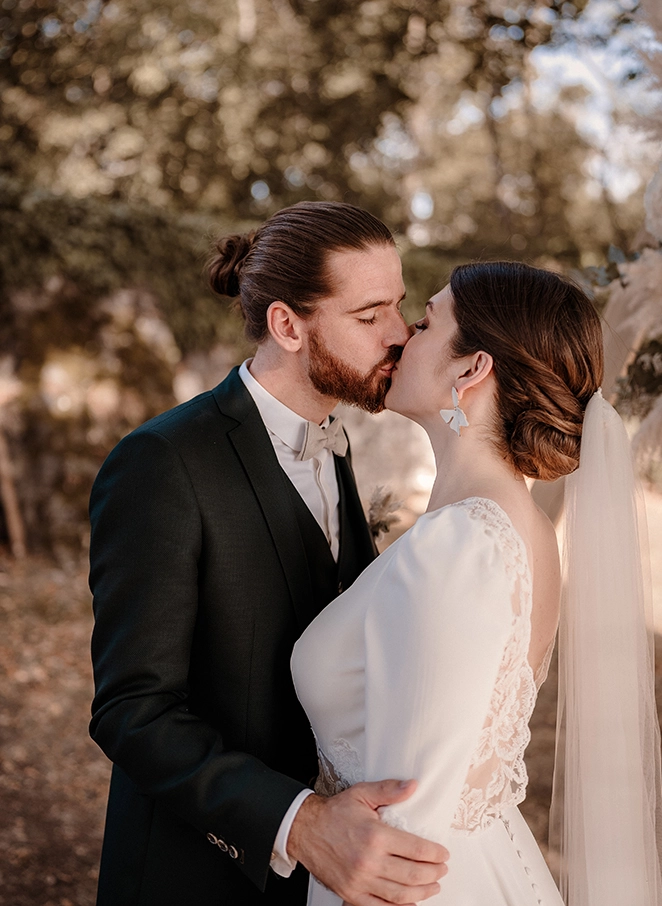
point(287, 425)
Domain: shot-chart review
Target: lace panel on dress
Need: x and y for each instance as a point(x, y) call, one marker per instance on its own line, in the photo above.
point(543, 669)
point(497, 775)
point(342, 770)
point(338, 770)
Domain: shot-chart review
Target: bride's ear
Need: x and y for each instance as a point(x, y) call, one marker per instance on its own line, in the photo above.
point(479, 367)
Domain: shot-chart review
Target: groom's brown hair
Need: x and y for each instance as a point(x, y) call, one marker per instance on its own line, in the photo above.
point(286, 258)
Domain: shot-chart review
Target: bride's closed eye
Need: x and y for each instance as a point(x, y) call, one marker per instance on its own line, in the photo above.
point(420, 325)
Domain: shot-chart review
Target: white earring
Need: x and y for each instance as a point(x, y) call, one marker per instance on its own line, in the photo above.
point(455, 418)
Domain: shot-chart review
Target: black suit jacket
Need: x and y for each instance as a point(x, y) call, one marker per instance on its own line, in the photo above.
point(202, 583)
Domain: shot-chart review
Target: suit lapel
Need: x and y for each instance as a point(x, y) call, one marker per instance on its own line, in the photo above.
point(255, 450)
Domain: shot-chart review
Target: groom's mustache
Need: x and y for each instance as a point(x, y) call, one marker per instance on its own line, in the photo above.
point(391, 357)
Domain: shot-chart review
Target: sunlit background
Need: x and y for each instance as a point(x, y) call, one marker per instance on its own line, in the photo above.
point(133, 133)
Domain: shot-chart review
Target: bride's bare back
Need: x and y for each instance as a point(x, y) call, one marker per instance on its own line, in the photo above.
point(539, 536)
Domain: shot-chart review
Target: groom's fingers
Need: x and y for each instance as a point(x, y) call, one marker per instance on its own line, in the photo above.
point(344, 844)
point(405, 871)
point(369, 900)
point(387, 792)
point(384, 792)
point(391, 892)
point(415, 849)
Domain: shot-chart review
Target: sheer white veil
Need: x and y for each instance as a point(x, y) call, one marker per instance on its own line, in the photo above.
point(606, 816)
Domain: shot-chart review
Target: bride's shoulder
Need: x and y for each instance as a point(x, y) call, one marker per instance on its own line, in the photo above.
point(474, 528)
point(451, 555)
point(477, 516)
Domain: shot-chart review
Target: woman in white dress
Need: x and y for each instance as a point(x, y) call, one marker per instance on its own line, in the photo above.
point(429, 665)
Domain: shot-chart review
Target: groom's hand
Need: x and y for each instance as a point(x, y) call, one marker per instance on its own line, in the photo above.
point(344, 844)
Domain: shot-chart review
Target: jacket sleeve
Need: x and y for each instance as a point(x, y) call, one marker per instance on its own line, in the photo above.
point(145, 544)
point(435, 633)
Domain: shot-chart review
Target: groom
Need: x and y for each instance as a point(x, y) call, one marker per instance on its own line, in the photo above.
point(219, 530)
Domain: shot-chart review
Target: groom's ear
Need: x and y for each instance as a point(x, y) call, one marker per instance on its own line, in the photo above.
point(479, 366)
point(285, 326)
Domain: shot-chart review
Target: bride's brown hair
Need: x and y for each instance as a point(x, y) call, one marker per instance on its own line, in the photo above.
point(545, 337)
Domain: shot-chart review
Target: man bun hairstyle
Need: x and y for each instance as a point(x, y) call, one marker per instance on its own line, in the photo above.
point(545, 337)
point(286, 258)
point(226, 263)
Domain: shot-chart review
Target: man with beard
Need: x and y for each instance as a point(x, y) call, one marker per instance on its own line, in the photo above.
point(219, 530)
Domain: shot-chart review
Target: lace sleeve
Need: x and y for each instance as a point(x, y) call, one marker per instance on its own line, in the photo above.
point(497, 775)
point(436, 630)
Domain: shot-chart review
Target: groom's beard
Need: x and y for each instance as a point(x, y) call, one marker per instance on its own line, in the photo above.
point(333, 377)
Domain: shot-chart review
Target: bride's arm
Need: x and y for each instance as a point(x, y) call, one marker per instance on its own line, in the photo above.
point(435, 635)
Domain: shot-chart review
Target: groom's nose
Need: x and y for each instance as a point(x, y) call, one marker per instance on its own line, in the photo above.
point(399, 333)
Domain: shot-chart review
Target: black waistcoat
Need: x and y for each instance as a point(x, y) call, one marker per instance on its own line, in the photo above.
point(328, 577)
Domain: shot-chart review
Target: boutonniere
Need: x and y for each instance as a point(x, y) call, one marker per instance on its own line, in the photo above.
point(381, 511)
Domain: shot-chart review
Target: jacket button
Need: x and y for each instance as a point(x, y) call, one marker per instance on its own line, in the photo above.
point(212, 838)
point(232, 852)
point(222, 845)
point(340, 588)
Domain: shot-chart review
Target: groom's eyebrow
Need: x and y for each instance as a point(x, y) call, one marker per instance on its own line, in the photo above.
point(377, 304)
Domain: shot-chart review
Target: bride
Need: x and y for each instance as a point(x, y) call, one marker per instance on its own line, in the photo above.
point(429, 665)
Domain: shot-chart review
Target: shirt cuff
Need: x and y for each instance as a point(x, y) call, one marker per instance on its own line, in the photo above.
point(281, 863)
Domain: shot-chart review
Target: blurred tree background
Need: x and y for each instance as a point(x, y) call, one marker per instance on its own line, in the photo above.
point(132, 133)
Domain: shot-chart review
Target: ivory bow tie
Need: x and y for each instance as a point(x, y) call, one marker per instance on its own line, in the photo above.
point(317, 438)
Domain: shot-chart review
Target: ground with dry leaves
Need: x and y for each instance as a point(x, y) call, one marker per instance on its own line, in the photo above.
point(54, 780)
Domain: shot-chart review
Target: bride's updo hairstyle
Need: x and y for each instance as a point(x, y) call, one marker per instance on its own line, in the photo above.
point(286, 258)
point(545, 337)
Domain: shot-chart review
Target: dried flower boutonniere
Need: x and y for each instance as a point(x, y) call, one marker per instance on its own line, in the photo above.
point(381, 511)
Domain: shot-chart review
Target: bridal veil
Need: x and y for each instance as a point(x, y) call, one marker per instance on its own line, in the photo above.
point(606, 805)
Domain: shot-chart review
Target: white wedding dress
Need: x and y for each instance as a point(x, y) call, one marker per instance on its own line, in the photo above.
point(420, 670)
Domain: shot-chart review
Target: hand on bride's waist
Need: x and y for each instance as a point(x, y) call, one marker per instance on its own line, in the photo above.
point(344, 844)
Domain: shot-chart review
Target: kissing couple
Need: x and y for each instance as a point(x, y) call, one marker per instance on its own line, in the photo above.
point(239, 601)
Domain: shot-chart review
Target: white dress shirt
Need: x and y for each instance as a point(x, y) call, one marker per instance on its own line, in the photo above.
point(315, 480)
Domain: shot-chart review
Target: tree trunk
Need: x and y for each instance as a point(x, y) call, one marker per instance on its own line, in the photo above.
point(13, 518)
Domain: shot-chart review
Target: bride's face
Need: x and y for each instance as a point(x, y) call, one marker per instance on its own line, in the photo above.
point(422, 379)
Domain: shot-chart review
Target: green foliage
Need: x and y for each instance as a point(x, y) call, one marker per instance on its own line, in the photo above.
point(101, 300)
point(192, 104)
point(244, 106)
point(98, 247)
point(130, 135)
